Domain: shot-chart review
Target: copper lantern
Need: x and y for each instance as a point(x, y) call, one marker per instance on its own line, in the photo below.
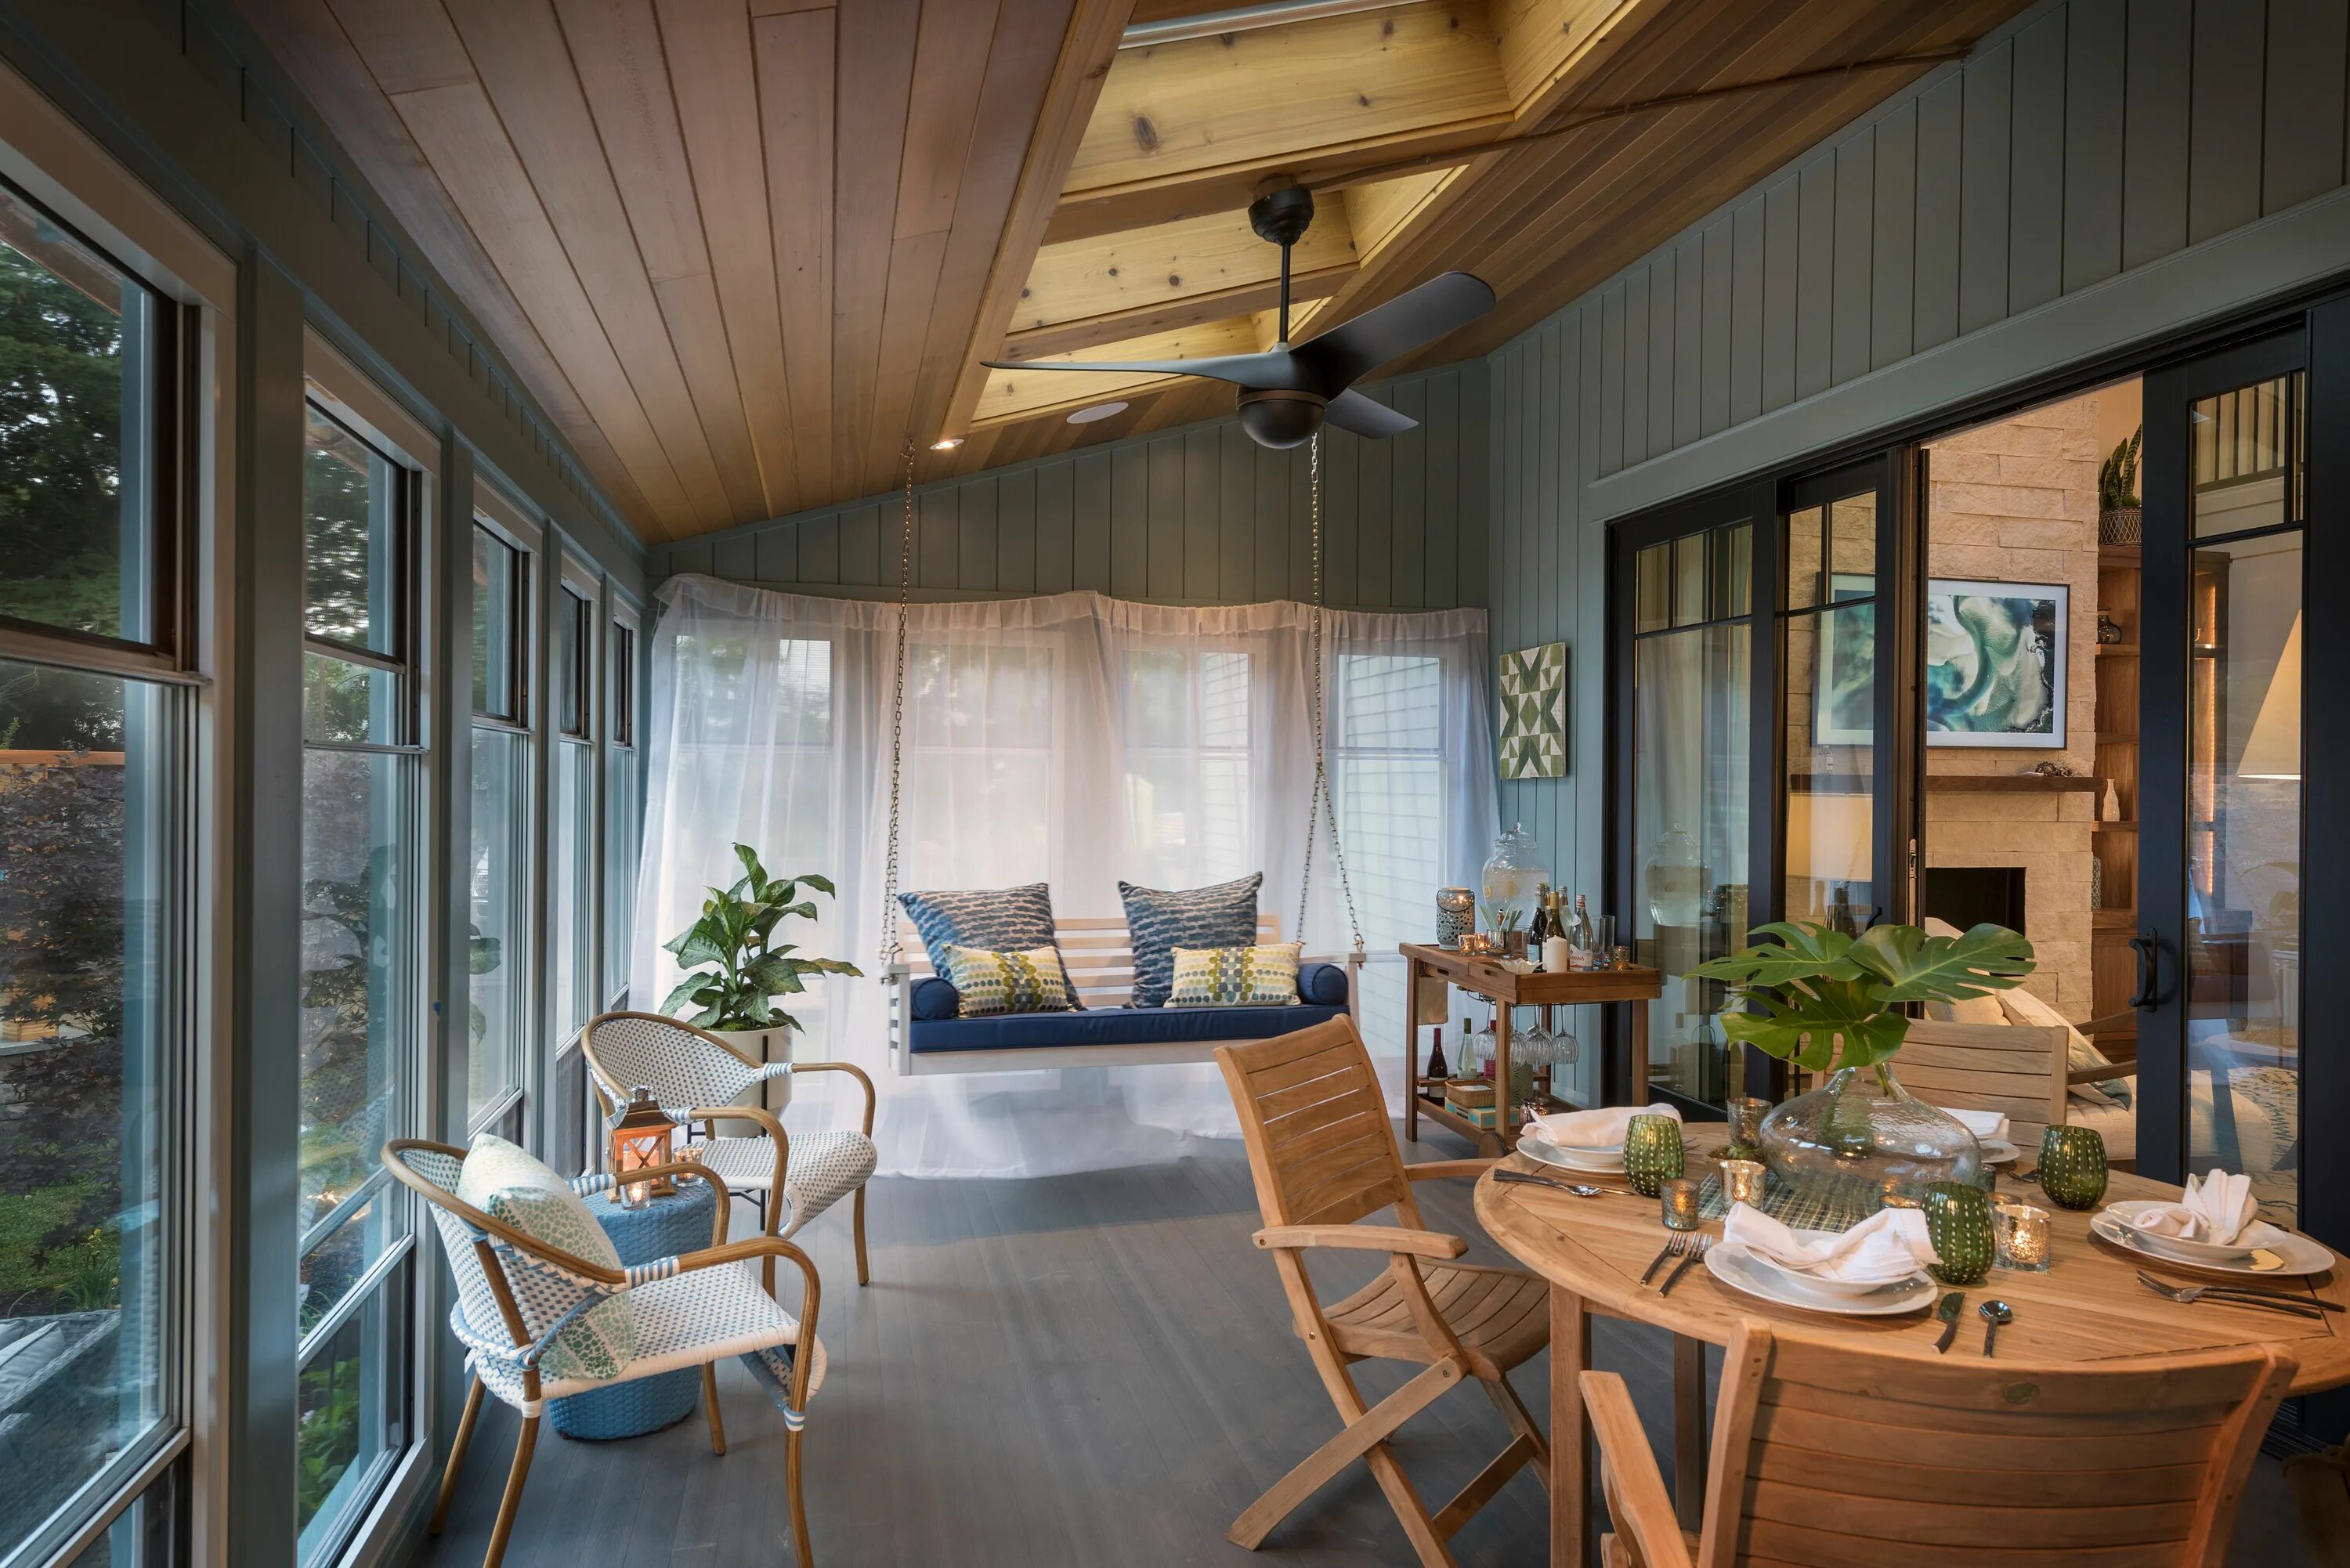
point(643, 1139)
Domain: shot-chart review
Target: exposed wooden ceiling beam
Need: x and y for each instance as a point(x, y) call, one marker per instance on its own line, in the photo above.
point(1081, 293)
point(1025, 394)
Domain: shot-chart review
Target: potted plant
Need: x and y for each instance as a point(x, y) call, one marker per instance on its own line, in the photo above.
point(2117, 501)
point(1830, 1001)
point(735, 967)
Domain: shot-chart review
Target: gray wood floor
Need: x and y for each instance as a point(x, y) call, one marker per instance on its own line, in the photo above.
point(1073, 1371)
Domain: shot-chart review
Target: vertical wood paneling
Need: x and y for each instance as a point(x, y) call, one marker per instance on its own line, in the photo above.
point(2300, 140)
point(1893, 237)
point(1636, 366)
point(1272, 522)
point(2223, 191)
point(975, 537)
point(1016, 534)
point(1130, 521)
point(1855, 270)
point(1934, 313)
point(2155, 154)
point(819, 550)
point(1202, 498)
point(1342, 562)
point(1236, 516)
point(2094, 122)
point(1057, 548)
point(1815, 277)
point(1714, 334)
point(1163, 529)
point(1407, 490)
point(1746, 309)
point(1374, 545)
point(1782, 265)
point(1093, 483)
point(935, 558)
point(1688, 338)
point(2035, 236)
point(1611, 378)
point(1444, 522)
point(1982, 187)
point(1663, 302)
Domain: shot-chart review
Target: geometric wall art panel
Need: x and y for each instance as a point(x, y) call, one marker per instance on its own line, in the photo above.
point(1534, 712)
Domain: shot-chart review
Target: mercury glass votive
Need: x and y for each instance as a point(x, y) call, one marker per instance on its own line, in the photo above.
point(1745, 1113)
point(1679, 1196)
point(1652, 1152)
point(1742, 1182)
point(2020, 1232)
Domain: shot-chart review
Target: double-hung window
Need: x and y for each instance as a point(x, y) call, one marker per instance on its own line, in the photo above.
point(96, 722)
point(622, 801)
point(499, 852)
point(360, 985)
point(1387, 783)
point(574, 889)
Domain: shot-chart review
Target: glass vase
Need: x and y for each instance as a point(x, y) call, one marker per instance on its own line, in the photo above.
point(2072, 1167)
point(1957, 1222)
point(1653, 1152)
point(1861, 1124)
point(1511, 873)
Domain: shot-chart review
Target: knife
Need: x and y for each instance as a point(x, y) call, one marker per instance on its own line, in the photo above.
point(1952, 1304)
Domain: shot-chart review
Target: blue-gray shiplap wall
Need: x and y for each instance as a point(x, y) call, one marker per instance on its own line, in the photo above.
point(2095, 172)
point(1197, 515)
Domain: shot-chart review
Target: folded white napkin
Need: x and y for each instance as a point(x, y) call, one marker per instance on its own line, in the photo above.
point(1602, 1128)
point(1984, 1125)
point(2218, 1208)
point(1890, 1244)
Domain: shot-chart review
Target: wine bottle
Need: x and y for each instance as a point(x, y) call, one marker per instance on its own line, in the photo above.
point(1539, 925)
point(1435, 1068)
point(1579, 938)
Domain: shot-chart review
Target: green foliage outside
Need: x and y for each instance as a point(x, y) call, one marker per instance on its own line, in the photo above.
point(1814, 989)
point(734, 970)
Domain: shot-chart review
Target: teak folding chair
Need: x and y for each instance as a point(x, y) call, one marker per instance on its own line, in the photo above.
point(1827, 1453)
point(1324, 1156)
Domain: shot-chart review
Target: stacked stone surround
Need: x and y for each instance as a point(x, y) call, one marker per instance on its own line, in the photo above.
point(2017, 501)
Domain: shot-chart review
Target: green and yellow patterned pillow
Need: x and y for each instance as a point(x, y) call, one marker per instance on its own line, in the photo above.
point(988, 982)
point(1236, 977)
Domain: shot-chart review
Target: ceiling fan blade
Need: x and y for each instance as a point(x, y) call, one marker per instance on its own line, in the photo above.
point(1276, 371)
point(1365, 416)
point(1353, 350)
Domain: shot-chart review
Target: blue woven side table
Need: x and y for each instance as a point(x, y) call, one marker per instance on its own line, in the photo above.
point(663, 1229)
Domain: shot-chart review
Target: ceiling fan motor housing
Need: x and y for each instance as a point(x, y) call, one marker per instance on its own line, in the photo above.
point(1281, 419)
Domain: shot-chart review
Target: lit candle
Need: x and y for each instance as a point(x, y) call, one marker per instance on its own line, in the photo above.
point(1679, 1196)
point(1741, 1182)
point(1896, 1195)
point(2022, 1232)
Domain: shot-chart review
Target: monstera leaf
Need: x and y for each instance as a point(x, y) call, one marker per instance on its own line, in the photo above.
point(1813, 995)
point(1914, 967)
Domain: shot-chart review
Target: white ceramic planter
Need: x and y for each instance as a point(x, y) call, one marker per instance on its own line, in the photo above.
point(763, 1045)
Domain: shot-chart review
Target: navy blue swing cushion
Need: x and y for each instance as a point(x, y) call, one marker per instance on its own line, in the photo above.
point(1321, 990)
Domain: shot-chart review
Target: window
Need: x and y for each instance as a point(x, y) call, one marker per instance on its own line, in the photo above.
point(575, 810)
point(1387, 781)
point(362, 934)
point(498, 860)
point(94, 1012)
point(1187, 764)
point(622, 806)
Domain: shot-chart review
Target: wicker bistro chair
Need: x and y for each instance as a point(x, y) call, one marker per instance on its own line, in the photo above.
point(694, 1076)
point(515, 1295)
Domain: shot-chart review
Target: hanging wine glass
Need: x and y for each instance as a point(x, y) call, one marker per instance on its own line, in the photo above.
point(1534, 1049)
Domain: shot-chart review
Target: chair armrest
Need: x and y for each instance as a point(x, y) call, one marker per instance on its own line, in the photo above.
point(2100, 1074)
point(1363, 1239)
point(1428, 1170)
point(853, 1071)
point(1636, 1500)
point(810, 1290)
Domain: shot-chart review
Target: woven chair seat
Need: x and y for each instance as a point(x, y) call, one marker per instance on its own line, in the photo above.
point(824, 1168)
point(1502, 1316)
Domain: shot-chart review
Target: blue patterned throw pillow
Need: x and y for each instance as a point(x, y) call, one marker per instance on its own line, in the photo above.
point(995, 919)
point(1223, 915)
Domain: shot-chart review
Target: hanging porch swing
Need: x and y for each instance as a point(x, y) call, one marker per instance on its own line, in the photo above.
point(928, 1037)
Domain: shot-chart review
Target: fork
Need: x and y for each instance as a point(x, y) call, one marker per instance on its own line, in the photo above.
point(1674, 1247)
point(2300, 1308)
point(1691, 1256)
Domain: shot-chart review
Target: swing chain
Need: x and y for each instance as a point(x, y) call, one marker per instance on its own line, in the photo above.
point(1324, 808)
point(890, 944)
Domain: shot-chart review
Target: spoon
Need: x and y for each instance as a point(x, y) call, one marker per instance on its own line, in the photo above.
point(1994, 1312)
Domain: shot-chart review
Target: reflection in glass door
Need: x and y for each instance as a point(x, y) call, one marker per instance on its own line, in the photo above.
point(1692, 707)
point(1830, 663)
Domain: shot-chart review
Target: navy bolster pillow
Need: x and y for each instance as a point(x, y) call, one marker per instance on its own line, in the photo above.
point(936, 998)
point(1318, 985)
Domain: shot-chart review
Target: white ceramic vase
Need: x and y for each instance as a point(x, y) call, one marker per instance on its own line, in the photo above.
point(762, 1045)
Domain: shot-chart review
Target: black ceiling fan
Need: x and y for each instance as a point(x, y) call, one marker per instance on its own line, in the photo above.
point(1287, 392)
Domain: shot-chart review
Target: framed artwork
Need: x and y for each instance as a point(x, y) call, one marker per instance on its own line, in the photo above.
point(1995, 663)
point(1534, 712)
point(1844, 682)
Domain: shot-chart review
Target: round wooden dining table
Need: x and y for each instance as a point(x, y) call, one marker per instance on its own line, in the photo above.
point(2089, 1305)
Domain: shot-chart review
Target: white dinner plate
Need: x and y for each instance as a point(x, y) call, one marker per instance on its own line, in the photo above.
point(1802, 1280)
point(2296, 1254)
point(1998, 1151)
point(1741, 1270)
point(1534, 1146)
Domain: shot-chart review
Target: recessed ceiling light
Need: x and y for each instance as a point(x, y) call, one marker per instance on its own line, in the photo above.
point(946, 443)
point(1098, 411)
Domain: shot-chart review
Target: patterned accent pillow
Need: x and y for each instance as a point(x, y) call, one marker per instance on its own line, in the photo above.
point(996, 919)
point(1236, 977)
point(1223, 915)
point(990, 982)
point(507, 1183)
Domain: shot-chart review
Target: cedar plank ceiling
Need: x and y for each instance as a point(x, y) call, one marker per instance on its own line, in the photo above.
point(744, 250)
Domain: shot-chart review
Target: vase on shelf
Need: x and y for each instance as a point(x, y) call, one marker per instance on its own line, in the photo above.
point(1860, 1123)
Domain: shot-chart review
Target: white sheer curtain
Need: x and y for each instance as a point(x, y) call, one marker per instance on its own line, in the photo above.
point(1075, 739)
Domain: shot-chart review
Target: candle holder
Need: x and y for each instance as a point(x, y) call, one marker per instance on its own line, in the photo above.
point(2019, 1233)
point(1957, 1223)
point(1456, 914)
point(1476, 942)
point(1745, 1113)
point(1741, 1182)
point(1652, 1152)
point(2072, 1167)
point(1679, 1195)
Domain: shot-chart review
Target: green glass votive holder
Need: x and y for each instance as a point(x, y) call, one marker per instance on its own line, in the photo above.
point(2072, 1167)
point(1652, 1152)
point(1957, 1223)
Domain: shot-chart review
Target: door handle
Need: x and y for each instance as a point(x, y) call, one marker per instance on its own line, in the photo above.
point(2145, 948)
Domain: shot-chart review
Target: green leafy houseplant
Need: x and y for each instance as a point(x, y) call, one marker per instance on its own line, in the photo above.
point(2117, 476)
point(1813, 989)
point(735, 967)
